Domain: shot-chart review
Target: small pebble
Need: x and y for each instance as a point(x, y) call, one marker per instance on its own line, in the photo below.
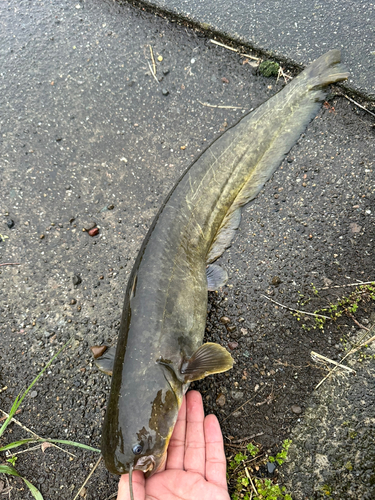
point(296, 409)
point(237, 395)
point(33, 394)
point(276, 281)
point(77, 280)
point(83, 492)
point(232, 345)
point(355, 228)
point(271, 467)
point(94, 231)
point(165, 91)
point(10, 223)
point(220, 400)
point(225, 320)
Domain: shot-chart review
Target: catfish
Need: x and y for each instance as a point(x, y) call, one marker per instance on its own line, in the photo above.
point(159, 349)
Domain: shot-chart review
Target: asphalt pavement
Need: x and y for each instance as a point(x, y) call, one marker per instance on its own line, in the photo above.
point(298, 31)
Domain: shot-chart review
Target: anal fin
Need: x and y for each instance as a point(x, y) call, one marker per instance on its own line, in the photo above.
point(225, 235)
point(216, 277)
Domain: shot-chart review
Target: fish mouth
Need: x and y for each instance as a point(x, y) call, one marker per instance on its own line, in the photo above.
point(146, 464)
point(160, 465)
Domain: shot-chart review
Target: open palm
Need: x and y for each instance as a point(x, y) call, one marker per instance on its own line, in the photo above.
point(195, 468)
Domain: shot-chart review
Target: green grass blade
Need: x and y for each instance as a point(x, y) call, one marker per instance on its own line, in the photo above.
point(73, 443)
point(7, 469)
point(12, 412)
point(19, 399)
point(42, 371)
point(34, 491)
point(16, 444)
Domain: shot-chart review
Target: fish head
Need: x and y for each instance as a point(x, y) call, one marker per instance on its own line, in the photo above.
point(139, 423)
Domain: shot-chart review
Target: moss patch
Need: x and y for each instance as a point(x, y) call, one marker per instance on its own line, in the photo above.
point(269, 68)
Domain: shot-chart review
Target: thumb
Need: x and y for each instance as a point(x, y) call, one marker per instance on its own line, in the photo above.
point(138, 481)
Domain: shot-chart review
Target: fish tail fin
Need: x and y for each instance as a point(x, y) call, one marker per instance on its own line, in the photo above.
point(303, 97)
point(325, 70)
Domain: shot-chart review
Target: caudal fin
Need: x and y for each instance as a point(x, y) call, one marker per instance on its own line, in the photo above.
point(325, 70)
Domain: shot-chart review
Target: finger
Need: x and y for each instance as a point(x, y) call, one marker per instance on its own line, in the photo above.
point(195, 455)
point(216, 464)
point(176, 448)
point(138, 480)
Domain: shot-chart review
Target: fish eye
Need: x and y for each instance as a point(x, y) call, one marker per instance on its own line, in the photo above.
point(137, 449)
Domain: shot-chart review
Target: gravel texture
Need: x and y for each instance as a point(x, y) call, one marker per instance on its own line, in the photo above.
point(333, 451)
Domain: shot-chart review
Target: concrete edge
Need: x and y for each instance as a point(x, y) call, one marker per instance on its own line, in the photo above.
point(236, 42)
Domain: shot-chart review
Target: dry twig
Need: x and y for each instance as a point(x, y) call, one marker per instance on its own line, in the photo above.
point(357, 104)
point(88, 477)
point(357, 322)
point(33, 433)
point(235, 50)
point(321, 357)
point(218, 106)
point(10, 264)
point(252, 484)
point(245, 403)
point(111, 496)
point(152, 73)
point(153, 60)
point(247, 438)
point(5, 417)
point(284, 75)
point(364, 344)
point(296, 310)
point(349, 284)
point(352, 350)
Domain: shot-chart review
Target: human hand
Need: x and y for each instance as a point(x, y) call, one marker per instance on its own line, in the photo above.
point(195, 467)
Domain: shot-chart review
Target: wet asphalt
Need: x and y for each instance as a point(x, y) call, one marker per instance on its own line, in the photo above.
point(88, 138)
point(296, 31)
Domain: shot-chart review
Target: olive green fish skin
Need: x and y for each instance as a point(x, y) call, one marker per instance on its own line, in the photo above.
point(165, 307)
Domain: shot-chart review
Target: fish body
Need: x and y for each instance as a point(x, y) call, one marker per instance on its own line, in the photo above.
point(159, 349)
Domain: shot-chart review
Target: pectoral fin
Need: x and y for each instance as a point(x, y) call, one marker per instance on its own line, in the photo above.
point(104, 357)
point(208, 359)
point(216, 277)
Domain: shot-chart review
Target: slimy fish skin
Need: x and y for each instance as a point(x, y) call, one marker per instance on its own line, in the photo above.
point(159, 349)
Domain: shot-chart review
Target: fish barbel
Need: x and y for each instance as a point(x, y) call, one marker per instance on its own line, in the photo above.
point(159, 349)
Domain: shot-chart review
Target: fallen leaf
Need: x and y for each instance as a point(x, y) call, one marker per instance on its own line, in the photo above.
point(45, 445)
